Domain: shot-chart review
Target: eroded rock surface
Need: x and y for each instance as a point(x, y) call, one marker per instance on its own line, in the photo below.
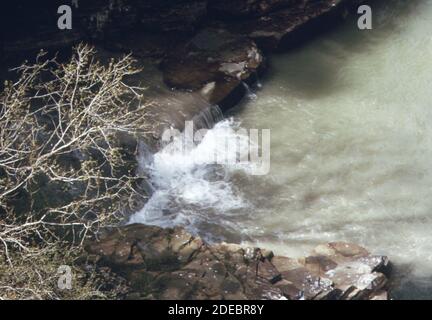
point(215, 61)
point(172, 264)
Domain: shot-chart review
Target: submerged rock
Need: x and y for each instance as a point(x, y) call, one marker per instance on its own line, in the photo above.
point(172, 264)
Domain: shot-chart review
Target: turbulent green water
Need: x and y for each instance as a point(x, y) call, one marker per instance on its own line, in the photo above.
point(350, 115)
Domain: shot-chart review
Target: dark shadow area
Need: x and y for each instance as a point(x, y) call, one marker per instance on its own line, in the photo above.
point(405, 285)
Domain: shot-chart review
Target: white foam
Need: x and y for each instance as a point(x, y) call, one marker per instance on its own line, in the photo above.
point(188, 183)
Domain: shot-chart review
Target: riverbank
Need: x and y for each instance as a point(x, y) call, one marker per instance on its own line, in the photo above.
point(172, 264)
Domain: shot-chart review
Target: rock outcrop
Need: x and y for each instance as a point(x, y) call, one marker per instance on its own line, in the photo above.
point(172, 264)
point(214, 60)
point(289, 26)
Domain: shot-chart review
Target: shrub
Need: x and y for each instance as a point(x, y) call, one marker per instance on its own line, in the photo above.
point(68, 142)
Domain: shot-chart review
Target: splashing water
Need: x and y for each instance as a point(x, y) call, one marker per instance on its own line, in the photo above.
point(192, 191)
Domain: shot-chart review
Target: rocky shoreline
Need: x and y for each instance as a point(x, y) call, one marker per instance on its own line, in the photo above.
point(172, 264)
point(207, 50)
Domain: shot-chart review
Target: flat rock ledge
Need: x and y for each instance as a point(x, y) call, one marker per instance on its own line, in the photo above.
point(172, 264)
point(216, 62)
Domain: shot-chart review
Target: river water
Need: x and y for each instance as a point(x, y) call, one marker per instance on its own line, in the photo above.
point(351, 152)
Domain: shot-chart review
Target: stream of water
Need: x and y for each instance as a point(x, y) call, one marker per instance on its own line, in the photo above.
point(350, 116)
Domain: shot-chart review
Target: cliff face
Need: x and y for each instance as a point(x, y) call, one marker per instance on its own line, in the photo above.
point(173, 264)
point(31, 26)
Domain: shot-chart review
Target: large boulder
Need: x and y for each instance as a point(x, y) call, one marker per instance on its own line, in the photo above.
point(215, 61)
point(172, 264)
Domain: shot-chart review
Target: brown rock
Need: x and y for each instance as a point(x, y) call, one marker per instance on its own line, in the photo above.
point(172, 264)
point(215, 61)
point(380, 295)
point(319, 264)
point(309, 284)
point(341, 251)
point(289, 290)
point(267, 271)
point(284, 264)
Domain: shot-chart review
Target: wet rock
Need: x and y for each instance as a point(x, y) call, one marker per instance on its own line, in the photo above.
point(380, 295)
point(350, 268)
point(340, 251)
point(285, 264)
point(172, 264)
point(204, 51)
point(356, 278)
point(289, 290)
point(310, 284)
point(267, 271)
point(319, 264)
point(215, 61)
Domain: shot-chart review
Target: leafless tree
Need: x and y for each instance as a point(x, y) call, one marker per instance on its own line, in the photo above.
point(62, 125)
